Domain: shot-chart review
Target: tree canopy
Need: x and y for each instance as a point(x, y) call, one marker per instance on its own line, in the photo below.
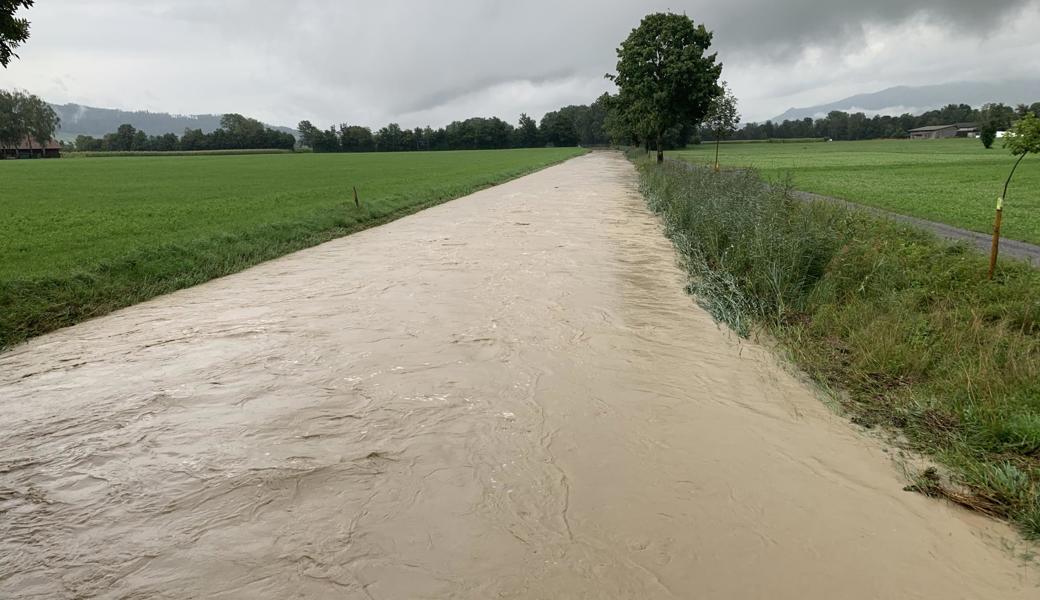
point(25, 116)
point(722, 117)
point(1024, 136)
point(14, 31)
point(527, 134)
point(988, 133)
point(665, 77)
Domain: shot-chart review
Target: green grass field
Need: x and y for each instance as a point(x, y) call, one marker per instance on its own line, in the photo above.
point(951, 181)
point(80, 238)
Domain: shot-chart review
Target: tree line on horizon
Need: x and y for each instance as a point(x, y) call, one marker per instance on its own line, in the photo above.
point(575, 125)
point(597, 124)
point(840, 125)
point(236, 132)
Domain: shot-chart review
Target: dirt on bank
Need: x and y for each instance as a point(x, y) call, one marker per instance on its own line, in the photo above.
point(505, 396)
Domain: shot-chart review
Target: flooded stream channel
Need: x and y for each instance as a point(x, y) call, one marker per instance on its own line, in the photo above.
point(505, 396)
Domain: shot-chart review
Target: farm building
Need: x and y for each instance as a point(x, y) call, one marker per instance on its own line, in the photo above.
point(969, 130)
point(32, 149)
point(934, 132)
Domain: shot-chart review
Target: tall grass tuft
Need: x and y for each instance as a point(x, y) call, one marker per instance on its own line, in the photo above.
point(903, 323)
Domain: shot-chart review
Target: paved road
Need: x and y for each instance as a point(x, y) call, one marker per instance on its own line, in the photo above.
point(1008, 248)
point(505, 396)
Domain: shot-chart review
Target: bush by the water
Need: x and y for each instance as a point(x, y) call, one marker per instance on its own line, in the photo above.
point(904, 324)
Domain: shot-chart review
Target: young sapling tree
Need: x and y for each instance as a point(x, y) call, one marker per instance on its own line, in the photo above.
point(1023, 138)
point(722, 118)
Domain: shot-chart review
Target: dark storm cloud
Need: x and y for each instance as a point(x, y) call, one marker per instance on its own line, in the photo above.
point(787, 25)
point(430, 53)
point(369, 62)
point(441, 97)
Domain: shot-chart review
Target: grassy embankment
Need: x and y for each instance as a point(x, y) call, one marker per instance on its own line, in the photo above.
point(84, 237)
point(904, 325)
point(951, 181)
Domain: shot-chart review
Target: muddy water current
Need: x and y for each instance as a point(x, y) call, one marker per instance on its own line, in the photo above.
point(505, 396)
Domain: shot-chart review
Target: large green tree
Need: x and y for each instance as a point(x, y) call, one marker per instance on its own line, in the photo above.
point(590, 122)
point(309, 134)
point(558, 129)
point(527, 135)
point(12, 127)
point(988, 133)
point(618, 125)
point(665, 76)
point(243, 132)
point(124, 138)
point(25, 116)
point(390, 139)
point(355, 138)
point(13, 30)
point(42, 120)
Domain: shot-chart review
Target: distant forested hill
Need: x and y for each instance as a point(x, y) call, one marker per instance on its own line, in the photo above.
point(77, 119)
point(918, 99)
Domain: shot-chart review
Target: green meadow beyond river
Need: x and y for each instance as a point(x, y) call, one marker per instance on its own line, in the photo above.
point(505, 396)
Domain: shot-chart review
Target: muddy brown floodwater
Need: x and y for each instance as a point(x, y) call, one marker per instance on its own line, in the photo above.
point(505, 396)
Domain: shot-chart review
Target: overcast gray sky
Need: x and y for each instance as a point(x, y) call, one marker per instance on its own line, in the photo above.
point(429, 62)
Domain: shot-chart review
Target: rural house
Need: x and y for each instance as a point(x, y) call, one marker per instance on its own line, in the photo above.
point(31, 149)
point(934, 132)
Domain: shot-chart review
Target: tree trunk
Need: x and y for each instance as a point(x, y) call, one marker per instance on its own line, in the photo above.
point(660, 150)
point(996, 225)
point(717, 141)
point(995, 248)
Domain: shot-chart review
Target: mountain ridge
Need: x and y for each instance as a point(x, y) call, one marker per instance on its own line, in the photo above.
point(917, 99)
point(80, 119)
